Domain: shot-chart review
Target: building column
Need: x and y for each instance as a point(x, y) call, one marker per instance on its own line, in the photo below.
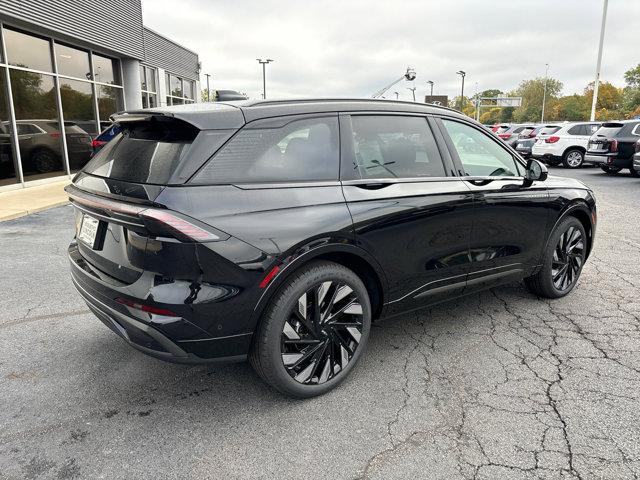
point(131, 83)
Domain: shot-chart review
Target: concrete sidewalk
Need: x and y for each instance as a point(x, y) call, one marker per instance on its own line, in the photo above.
point(17, 203)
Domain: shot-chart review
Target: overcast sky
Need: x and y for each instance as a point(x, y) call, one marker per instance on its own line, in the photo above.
point(354, 47)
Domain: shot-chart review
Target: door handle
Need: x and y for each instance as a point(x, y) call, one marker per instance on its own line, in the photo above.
point(373, 185)
point(479, 181)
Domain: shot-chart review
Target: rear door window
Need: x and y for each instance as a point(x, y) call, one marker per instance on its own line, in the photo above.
point(301, 150)
point(479, 153)
point(391, 146)
point(609, 129)
point(549, 130)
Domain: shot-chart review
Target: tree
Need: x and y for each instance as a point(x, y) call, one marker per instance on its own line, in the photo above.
point(532, 92)
point(632, 77)
point(631, 93)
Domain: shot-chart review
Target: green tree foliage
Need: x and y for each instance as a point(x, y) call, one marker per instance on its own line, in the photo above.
point(532, 92)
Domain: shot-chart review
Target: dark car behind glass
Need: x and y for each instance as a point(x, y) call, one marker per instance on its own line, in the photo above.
point(279, 230)
point(612, 146)
point(105, 136)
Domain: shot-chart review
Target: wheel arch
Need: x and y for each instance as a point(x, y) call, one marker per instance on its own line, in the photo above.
point(581, 211)
point(350, 256)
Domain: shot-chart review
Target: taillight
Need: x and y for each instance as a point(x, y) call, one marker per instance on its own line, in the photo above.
point(638, 146)
point(55, 134)
point(553, 139)
point(504, 136)
point(98, 143)
point(146, 308)
point(532, 134)
point(613, 146)
point(179, 225)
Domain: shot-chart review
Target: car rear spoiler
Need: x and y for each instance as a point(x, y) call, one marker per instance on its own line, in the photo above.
point(204, 116)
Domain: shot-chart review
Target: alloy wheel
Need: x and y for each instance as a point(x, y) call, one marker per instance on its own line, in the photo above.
point(574, 159)
point(568, 257)
point(321, 333)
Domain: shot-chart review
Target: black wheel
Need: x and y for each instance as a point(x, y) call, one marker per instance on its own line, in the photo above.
point(610, 170)
point(634, 173)
point(314, 330)
point(44, 161)
point(573, 158)
point(563, 261)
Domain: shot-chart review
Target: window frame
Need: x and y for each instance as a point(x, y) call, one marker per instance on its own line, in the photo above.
point(349, 176)
point(456, 158)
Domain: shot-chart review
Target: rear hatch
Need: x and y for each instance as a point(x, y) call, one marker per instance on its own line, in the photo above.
point(600, 142)
point(546, 132)
point(114, 195)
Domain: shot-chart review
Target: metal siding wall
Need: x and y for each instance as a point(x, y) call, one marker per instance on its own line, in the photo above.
point(115, 24)
point(163, 53)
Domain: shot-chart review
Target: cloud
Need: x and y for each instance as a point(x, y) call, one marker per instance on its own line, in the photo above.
point(352, 48)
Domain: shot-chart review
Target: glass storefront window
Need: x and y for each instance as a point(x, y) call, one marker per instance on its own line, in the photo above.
point(189, 89)
point(175, 85)
point(8, 167)
point(73, 62)
point(39, 135)
point(151, 79)
point(153, 102)
point(79, 119)
point(143, 80)
point(27, 51)
point(104, 70)
point(109, 101)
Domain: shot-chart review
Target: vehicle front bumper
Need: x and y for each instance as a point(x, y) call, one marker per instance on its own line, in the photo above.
point(147, 335)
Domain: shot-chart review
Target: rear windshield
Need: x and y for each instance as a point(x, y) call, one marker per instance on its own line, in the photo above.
point(147, 151)
point(609, 129)
point(549, 130)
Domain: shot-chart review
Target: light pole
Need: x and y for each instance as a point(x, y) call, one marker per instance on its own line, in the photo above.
point(208, 91)
point(397, 94)
point(595, 85)
point(462, 74)
point(410, 76)
point(430, 83)
point(413, 91)
point(264, 75)
point(544, 93)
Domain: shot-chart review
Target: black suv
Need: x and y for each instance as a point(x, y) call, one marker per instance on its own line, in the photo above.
point(613, 145)
point(279, 230)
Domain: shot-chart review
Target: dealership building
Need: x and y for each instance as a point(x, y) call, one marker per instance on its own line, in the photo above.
point(65, 67)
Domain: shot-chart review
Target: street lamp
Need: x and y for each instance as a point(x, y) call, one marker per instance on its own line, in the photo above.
point(208, 91)
point(544, 92)
point(409, 75)
point(595, 85)
point(264, 75)
point(430, 83)
point(413, 91)
point(462, 74)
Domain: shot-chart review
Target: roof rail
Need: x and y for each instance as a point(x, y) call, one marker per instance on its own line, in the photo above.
point(257, 103)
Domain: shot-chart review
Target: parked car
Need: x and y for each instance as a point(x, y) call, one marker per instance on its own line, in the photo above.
point(612, 147)
point(567, 144)
point(105, 136)
point(527, 139)
point(306, 225)
point(511, 135)
point(500, 128)
point(636, 159)
point(40, 146)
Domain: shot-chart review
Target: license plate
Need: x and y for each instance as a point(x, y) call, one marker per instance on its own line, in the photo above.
point(519, 146)
point(89, 230)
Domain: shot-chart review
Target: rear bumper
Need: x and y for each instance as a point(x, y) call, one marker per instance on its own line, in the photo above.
point(636, 163)
point(146, 335)
point(611, 160)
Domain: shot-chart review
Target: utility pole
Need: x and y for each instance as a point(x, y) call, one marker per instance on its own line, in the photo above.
point(544, 94)
point(430, 83)
point(599, 62)
point(413, 91)
point(264, 75)
point(463, 74)
point(208, 91)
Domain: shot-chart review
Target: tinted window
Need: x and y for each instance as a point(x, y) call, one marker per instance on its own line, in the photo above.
point(549, 130)
point(609, 129)
point(479, 153)
point(301, 150)
point(26, 51)
point(27, 128)
point(394, 146)
point(144, 152)
point(577, 130)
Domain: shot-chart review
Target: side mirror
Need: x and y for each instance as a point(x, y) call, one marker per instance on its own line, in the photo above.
point(536, 172)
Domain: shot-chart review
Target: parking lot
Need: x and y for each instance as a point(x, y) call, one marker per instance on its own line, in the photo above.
point(496, 385)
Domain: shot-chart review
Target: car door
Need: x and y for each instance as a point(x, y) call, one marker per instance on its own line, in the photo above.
point(409, 209)
point(510, 218)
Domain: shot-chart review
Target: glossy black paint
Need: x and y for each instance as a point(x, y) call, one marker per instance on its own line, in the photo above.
point(415, 241)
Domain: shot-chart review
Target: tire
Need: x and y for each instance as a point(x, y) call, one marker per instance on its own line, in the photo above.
point(610, 170)
point(44, 161)
point(634, 173)
point(565, 252)
point(573, 158)
point(313, 368)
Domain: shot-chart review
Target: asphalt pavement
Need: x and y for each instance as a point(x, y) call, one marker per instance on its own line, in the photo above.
point(493, 386)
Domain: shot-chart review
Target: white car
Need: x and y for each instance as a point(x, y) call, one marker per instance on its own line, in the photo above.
point(566, 143)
